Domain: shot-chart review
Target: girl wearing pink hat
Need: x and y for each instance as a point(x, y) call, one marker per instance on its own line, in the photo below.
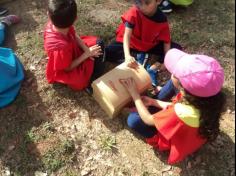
point(192, 119)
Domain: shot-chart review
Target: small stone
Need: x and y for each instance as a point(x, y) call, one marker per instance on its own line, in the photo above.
point(12, 147)
point(168, 168)
point(39, 173)
point(7, 172)
point(85, 172)
point(189, 165)
point(212, 40)
point(48, 114)
point(72, 115)
point(32, 68)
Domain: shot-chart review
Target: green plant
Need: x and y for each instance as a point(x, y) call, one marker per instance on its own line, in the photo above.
point(57, 157)
point(52, 160)
point(108, 142)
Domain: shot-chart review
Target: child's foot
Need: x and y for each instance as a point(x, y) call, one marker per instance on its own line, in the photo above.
point(3, 11)
point(166, 6)
point(10, 20)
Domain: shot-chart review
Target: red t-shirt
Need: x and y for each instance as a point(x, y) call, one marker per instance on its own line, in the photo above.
point(61, 51)
point(175, 135)
point(146, 33)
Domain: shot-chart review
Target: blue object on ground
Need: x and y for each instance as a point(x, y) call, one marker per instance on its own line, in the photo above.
point(11, 76)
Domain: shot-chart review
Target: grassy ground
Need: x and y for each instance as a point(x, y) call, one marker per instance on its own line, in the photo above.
point(51, 130)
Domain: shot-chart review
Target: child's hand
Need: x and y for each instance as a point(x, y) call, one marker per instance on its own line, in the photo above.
point(130, 85)
point(94, 51)
point(131, 62)
point(147, 101)
point(157, 89)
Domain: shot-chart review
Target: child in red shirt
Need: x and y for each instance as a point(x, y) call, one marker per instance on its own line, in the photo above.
point(192, 119)
point(72, 60)
point(144, 29)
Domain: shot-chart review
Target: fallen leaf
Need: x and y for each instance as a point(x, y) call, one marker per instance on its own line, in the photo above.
point(168, 168)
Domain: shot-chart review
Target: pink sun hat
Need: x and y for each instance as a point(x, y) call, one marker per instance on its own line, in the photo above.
point(200, 75)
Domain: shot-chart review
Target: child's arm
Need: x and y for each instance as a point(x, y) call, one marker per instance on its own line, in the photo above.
point(166, 47)
point(153, 102)
point(77, 61)
point(126, 43)
point(126, 46)
point(81, 44)
point(143, 112)
point(93, 51)
point(130, 85)
point(161, 104)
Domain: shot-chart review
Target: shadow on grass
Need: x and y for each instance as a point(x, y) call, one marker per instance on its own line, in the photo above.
point(216, 158)
point(16, 122)
point(230, 101)
point(84, 101)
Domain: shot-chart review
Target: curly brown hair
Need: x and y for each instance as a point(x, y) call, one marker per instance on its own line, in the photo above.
point(210, 109)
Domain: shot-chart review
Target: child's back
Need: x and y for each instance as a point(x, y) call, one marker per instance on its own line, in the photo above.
point(70, 60)
point(61, 50)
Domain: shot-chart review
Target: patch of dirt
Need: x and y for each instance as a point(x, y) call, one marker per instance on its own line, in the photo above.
point(40, 148)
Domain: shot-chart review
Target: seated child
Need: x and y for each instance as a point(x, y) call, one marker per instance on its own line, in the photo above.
point(5, 23)
point(11, 76)
point(72, 60)
point(144, 29)
point(192, 119)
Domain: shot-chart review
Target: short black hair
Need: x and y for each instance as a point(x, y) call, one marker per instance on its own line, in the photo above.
point(62, 13)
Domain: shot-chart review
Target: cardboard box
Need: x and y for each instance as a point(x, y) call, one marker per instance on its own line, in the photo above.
point(110, 93)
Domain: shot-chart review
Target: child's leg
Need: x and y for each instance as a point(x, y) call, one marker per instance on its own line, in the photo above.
point(6, 22)
point(2, 33)
point(99, 63)
point(135, 122)
point(152, 70)
point(114, 52)
point(99, 67)
point(167, 91)
point(158, 50)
